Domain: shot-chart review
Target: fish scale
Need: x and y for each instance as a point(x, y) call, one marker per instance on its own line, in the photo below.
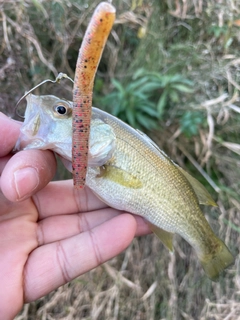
point(157, 172)
point(131, 173)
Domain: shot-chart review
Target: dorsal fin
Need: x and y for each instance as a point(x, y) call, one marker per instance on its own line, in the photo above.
point(202, 194)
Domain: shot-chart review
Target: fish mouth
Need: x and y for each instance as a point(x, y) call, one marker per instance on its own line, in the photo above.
point(24, 143)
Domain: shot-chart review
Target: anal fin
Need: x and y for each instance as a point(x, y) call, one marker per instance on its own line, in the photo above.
point(165, 236)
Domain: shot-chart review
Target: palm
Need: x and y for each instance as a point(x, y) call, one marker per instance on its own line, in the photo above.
point(18, 238)
point(56, 233)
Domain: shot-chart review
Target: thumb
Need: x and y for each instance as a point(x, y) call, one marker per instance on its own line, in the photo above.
point(26, 173)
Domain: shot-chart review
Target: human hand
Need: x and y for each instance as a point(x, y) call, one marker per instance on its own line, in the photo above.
point(49, 232)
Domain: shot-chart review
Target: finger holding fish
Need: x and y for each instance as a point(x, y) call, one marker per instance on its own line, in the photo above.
point(9, 129)
point(27, 172)
point(53, 227)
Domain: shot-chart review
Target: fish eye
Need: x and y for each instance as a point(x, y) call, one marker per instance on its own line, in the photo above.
point(62, 109)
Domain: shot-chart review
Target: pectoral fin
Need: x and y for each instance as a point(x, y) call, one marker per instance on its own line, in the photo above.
point(201, 193)
point(120, 176)
point(165, 236)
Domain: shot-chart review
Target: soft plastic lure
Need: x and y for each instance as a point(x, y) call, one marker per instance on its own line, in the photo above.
point(88, 59)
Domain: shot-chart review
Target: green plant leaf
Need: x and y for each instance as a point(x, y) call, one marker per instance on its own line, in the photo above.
point(109, 99)
point(130, 115)
point(137, 84)
point(151, 86)
point(139, 73)
point(182, 88)
point(146, 122)
point(116, 108)
point(162, 103)
point(148, 109)
point(118, 86)
point(187, 82)
point(173, 95)
point(190, 121)
point(141, 96)
point(175, 78)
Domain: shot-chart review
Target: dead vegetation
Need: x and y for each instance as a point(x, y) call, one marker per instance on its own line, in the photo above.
point(198, 39)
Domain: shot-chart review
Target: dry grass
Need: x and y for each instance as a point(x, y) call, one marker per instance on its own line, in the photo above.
point(145, 281)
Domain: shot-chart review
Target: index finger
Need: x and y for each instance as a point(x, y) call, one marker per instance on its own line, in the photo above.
point(60, 197)
point(9, 130)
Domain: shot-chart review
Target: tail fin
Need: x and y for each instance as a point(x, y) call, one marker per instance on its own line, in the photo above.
point(214, 264)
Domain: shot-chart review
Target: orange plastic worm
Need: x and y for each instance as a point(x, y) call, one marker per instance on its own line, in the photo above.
point(88, 59)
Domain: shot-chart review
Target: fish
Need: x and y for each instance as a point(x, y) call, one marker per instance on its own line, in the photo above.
point(129, 172)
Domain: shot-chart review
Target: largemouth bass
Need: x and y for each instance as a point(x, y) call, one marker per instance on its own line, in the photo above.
point(129, 172)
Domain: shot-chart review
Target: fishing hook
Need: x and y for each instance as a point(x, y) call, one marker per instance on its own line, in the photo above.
point(59, 77)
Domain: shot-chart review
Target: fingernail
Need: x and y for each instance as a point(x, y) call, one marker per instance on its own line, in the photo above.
point(26, 181)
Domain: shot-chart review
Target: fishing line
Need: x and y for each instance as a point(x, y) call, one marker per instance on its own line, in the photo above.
point(59, 77)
